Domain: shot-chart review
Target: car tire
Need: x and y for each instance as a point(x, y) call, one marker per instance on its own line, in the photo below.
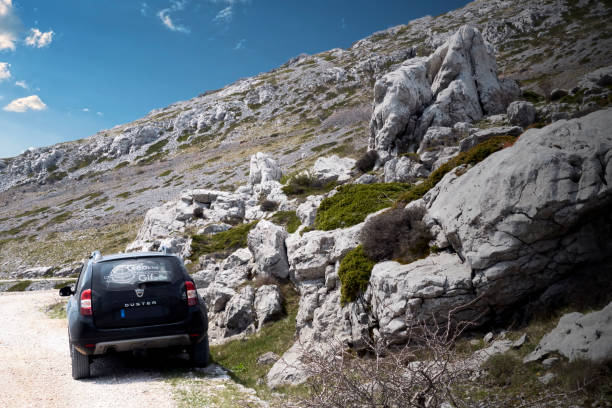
point(80, 364)
point(200, 353)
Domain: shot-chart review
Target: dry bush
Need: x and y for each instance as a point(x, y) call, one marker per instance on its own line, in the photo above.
point(262, 280)
point(367, 161)
point(421, 374)
point(396, 234)
point(268, 205)
point(198, 212)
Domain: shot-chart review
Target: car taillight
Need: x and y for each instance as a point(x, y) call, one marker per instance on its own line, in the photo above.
point(86, 303)
point(192, 296)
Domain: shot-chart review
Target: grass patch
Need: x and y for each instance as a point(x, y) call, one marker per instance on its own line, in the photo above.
point(288, 219)
point(58, 219)
point(19, 228)
point(303, 185)
point(354, 202)
point(473, 156)
point(354, 273)
point(165, 173)
point(57, 310)
point(222, 243)
point(19, 286)
point(121, 165)
point(323, 146)
point(79, 164)
point(123, 195)
point(240, 356)
point(156, 147)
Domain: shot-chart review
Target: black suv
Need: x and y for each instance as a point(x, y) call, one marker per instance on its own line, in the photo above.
point(134, 301)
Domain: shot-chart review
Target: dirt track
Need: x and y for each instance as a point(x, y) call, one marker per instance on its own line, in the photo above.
point(35, 368)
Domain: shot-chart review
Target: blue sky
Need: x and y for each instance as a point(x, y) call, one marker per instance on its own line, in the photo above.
point(69, 68)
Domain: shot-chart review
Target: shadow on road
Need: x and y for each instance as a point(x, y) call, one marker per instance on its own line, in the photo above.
point(138, 367)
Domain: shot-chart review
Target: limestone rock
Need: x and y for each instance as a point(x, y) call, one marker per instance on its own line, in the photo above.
point(401, 295)
point(267, 358)
point(333, 168)
point(267, 244)
point(263, 168)
point(307, 211)
point(521, 113)
point(366, 179)
point(238, 313)
point(311, 253)
point(579, 336)
point(529, 213)
point(457, 83)
point(216, 297)
point(486, 134)
point(399, 99)
point(267, 304)
point(403, 170)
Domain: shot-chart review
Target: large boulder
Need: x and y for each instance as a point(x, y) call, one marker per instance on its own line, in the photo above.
point(307, 211)
point(579, 336)
point(263, 168)
point(399, 99)
point(527, 215)
point(267, 244)
point(401, 295)
point(457, 83)
point(521, 113)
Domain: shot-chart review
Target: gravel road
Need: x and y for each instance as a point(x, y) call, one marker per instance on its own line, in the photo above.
point(35, 368)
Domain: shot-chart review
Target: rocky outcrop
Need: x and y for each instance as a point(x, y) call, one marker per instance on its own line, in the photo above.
point(528, 214)
point(483, 135)
point(267, 243)
point(307, 211)
point(457, 83)
point(333, 168)
point(579, 336)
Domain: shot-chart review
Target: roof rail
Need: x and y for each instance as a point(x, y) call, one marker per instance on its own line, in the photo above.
point(164, 249)
point(95, 255)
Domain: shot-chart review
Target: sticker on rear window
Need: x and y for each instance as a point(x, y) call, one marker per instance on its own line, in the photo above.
point(138, 272)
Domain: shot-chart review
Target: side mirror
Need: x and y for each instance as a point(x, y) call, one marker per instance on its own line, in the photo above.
point(66, 291)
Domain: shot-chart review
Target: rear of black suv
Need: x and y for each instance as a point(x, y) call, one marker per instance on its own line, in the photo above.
point(132, 302)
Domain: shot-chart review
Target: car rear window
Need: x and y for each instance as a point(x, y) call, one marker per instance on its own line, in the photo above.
point(124, 274)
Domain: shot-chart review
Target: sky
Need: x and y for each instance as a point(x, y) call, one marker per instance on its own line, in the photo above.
point(70, 68)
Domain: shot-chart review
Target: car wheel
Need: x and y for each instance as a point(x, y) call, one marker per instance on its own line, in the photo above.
point(200, 354)
point(80, 364)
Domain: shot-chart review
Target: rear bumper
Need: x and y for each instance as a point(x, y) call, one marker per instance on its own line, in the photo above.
point(139, 344)
point(90, 340)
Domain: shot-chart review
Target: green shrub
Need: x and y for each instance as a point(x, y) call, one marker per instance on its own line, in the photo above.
point(585, 375)
point(322, 147)
point(354, 202)
point(79, 164)
point(532, 96)
point(165, 173)
point(19, 286)
point(56, 176)
point(121, 165)
point(354, 273)
point(221, 243)
point(268, 205)
point(473, 156)
point(303, 184)
point(288, 219)
point(156, 147)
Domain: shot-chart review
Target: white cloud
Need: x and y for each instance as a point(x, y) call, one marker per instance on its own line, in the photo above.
point(85, 109)
point(240, 44)
point(225, 15)
point(5, 73)
point(32, 102)
point(39, 39)
point(5, 7)
point(164, 16)
point(9, 26)
point(343, 23)
point(99, 114)
point(22, 84)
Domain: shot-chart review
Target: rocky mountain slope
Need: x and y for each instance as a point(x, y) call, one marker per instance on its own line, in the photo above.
point(312, 106)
